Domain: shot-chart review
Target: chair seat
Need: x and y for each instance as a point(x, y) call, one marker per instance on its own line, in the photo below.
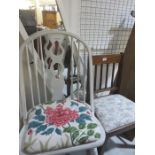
point(58, 125)
point(114, 111)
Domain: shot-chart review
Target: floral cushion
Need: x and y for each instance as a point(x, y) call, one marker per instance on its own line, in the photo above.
point(114, 111)
point(59, 125)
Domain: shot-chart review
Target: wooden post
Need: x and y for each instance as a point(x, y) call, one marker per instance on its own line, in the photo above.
point(127, 85)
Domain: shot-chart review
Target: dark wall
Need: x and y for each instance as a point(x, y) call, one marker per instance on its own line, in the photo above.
point(27, 17)
point(127, 86)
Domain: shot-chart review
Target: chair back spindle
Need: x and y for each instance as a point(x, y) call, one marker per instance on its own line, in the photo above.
point(46, 78)
point(30, 76)
point(36, 74)
point(106, 68)
point(43, 69)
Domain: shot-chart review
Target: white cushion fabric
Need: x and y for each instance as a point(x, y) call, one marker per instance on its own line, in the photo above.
point(114, 111)
point(57, 125)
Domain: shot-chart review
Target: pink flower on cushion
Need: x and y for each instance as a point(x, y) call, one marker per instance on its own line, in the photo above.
point(48, 111)
point(30, 132)
point(60, 116)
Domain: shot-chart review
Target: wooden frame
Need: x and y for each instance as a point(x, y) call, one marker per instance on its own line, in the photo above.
point(106, 60)
point(114, 88)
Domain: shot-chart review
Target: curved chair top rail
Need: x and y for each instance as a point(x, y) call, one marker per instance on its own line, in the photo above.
point(47, 32)
point(25, 48)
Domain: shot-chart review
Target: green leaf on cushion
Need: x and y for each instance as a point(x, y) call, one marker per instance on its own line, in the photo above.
point(34, 124)
point(91, 125)
point(38, 112)
point(70, 129)
point(82, 125)
point(90, 132)
point(58, 131)
point(83, 139)
point(73, 129)
point(75, 134)
point(50, 102)
point(41, 128)
point(67, 130)
point(97, 135)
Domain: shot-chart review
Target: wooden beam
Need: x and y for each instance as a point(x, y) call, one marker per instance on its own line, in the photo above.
point(106, 59)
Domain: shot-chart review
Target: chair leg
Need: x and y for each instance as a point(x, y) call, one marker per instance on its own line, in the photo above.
point(92, 152)
point(101, 149)
point(125, 144)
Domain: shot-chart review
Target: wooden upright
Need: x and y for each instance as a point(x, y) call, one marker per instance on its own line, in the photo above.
point(127, 85)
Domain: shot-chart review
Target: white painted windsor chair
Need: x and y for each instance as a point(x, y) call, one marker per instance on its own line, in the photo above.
point(55, 122)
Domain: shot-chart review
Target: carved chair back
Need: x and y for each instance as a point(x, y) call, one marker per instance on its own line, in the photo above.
point(107, 71)
point(46, 68)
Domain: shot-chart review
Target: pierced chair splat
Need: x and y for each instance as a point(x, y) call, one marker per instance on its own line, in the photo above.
point(54, 122)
